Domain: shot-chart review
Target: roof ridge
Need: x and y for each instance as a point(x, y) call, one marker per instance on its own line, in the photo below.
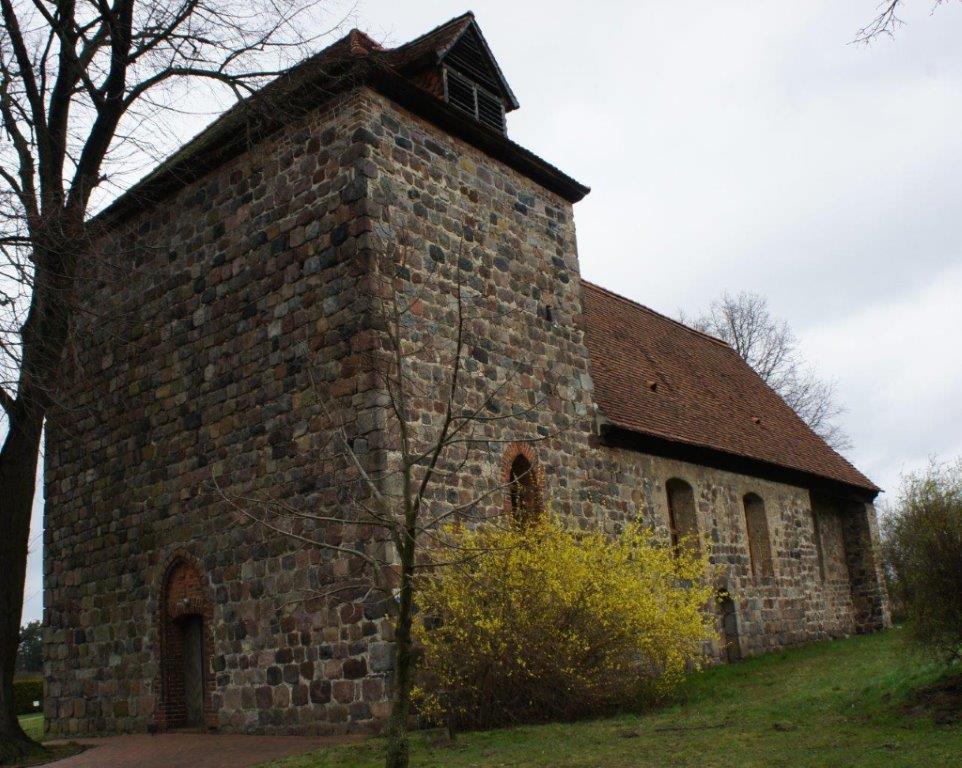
point(655, 312)
point(357, 46)
point(438, 28)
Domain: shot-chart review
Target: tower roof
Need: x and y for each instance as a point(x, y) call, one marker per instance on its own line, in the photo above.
point(442, 43)
point(402, 74)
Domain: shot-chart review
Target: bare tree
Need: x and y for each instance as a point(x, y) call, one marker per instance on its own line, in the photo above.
point(887, 21)
point(770, 347)
point(395, 505)
point(83, 88)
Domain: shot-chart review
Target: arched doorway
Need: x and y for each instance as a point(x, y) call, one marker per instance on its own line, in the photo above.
point(728, 619)
point(184, 648)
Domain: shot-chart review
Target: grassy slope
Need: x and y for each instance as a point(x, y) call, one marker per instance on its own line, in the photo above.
point(33, 725)
point(832, 704)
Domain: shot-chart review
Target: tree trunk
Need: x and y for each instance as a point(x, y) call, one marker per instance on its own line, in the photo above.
point(398, 745)
point(18, 473)
point(43, 338)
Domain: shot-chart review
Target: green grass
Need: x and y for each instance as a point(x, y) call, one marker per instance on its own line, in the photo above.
point(40, 755)
point(33, 725)
point(832, 705)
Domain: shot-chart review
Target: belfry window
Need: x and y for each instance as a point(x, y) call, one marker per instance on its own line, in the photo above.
point(468, 96)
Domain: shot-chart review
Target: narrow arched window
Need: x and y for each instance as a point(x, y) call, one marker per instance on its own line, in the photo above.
point(521, 481)
point(759, 543)
point(682, 520)
point(523, 489)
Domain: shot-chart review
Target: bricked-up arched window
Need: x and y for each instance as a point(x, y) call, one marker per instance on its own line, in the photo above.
point(759, 543)
point(819, 552)
point(728, 619)
point(520, 476)
point(682, 520)
point(186, 678)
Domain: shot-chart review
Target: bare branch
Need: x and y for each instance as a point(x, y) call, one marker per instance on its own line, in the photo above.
point(886, 22)
point(290, 534)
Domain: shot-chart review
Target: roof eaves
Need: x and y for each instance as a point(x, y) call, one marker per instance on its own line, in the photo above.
point(477, 134)
point(219, 141)
point(868, 487)
point(240, 127)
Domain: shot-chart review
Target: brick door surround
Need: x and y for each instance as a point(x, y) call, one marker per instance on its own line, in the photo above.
point(183, 594)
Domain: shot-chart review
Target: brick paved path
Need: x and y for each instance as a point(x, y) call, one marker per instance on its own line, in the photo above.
point(190, 750)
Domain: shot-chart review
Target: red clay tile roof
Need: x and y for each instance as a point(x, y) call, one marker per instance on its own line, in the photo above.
point(433, 43)
point(655, 376)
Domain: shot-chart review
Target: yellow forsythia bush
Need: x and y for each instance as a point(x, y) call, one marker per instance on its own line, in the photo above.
point(539, 623)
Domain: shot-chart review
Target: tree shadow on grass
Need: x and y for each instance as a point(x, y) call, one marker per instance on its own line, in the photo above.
point(941, 700)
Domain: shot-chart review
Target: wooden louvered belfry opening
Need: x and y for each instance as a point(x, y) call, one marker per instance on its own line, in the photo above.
point(471, 82)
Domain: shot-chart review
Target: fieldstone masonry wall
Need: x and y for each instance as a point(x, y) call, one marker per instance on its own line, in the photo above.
point(512, 245)
point(796, 604)
point(220, 300)
point(210, 308)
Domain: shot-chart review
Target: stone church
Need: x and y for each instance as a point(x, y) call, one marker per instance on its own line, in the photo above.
point(242, 261)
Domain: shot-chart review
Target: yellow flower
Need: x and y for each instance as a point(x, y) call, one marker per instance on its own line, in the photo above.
point(542, 622)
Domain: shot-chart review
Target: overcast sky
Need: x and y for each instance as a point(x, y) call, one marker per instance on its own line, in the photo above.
point(747, 145)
